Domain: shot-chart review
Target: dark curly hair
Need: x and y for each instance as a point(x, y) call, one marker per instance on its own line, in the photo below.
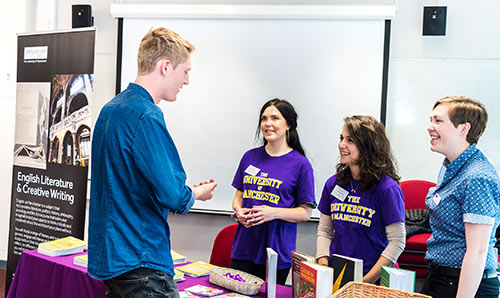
point(375, 155)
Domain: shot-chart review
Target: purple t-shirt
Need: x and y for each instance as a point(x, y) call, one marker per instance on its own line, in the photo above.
point(360, 217)
point(278, 181)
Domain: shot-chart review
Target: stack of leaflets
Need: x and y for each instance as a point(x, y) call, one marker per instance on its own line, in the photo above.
point(184, 294)
point(196, 269)
point(232, 295)
point(179, 275)
point(396, 278)
point(81, 260)
point(178, 258)
point(62, 247)
point(204, 290)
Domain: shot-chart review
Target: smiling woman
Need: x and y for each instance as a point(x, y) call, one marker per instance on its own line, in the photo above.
point(362, 204)
point(464, 206)
point(274, 190)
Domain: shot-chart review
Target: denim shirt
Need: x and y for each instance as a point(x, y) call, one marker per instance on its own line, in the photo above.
point(467, 190)
point(137, 178)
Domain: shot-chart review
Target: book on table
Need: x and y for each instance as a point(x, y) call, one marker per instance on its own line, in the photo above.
point(196, 269)
point(315, 281)
point(81, 260)
point(62, 247)
point(345, 269)
point(297, 258)
point(271, 271)
point(178, 275)
point(397, 278)
point(178, 258)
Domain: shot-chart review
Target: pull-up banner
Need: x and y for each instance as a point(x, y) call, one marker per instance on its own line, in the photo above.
point(52, 139)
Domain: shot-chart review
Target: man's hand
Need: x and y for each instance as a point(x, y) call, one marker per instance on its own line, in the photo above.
point(204, 191)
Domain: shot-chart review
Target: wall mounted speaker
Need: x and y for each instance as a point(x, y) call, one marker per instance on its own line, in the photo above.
point(434, 20)
point(81, 16)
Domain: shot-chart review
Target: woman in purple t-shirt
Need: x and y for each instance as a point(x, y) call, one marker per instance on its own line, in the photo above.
point(274, 190)
point(362, 205)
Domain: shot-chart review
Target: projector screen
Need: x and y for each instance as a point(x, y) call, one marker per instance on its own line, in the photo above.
point(328, 69)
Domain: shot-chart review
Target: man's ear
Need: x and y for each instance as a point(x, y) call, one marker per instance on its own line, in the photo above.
point(163, 66)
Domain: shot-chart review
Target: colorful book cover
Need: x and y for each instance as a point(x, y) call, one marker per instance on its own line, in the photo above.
point(297, 258)
point(315, 281)
point(345, 269)
point(196, 269)
point(204, 290)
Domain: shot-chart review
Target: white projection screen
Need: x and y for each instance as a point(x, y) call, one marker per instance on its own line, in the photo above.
point(327, 68)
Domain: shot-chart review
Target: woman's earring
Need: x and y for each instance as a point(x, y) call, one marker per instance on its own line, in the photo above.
point(287, 136)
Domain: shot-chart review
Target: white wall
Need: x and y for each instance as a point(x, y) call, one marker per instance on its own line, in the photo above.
point(472, 41)
point(425, 68)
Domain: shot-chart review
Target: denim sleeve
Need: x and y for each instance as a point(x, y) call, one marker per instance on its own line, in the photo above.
point(156, 157)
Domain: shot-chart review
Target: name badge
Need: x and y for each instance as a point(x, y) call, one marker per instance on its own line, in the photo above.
point(436, 199)
point(251, 170)
point(339, 193)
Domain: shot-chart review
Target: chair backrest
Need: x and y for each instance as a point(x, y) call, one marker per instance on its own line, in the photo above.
point(221, 249)
point(415, 192)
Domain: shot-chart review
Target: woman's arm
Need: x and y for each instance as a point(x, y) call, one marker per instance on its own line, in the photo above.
point(263, 213)
point(323, 239)
point(396, 236)
point(477, 238)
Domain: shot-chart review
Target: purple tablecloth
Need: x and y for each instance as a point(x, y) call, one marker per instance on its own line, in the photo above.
point(39, 275)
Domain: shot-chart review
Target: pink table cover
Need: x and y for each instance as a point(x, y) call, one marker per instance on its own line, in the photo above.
point(39, 275)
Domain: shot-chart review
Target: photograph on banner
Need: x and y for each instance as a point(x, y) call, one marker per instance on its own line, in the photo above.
point(30, 145)
point(70, 119)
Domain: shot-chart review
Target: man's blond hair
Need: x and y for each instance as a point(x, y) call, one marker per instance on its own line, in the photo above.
point(162, 43)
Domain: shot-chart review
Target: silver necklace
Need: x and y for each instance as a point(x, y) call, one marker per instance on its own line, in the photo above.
point(353, 190)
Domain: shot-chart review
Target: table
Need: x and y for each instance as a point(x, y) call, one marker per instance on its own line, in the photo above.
point(39, 275)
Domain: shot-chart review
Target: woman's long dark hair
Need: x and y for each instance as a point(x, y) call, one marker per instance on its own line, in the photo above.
point(375, 155)
point(287, 110)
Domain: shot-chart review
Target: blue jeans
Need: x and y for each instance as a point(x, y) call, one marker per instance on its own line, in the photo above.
point(142, 282)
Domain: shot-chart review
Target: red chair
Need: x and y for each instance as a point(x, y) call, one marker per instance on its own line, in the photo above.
point(413, 256)
point(221, 249)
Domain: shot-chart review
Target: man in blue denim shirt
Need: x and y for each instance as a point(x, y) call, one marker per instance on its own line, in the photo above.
point(138, 178)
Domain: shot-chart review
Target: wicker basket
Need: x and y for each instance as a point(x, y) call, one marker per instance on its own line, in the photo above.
point(364, 290)
point(251, 286)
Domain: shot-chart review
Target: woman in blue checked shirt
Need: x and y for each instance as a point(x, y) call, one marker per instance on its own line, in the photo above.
point(464, 206)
